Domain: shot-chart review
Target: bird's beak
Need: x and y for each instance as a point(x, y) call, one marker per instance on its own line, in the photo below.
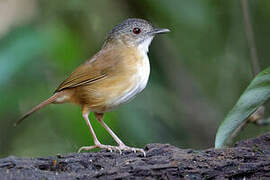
point(159, 31)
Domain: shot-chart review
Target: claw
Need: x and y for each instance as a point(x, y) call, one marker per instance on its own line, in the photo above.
point(126, 148)
point(87, 148)
point(120, 152)
point(113, 148)
point(144, 154)
point(134, 150)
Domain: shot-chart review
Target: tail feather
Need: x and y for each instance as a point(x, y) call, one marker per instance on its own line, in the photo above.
point(36, 108)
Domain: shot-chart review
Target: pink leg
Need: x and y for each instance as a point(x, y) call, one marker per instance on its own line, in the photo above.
point(121, 146)
point(85, 113)
point(99, 117)
point(86, 118)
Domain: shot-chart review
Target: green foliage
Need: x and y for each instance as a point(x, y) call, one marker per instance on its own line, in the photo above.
point(254, 96)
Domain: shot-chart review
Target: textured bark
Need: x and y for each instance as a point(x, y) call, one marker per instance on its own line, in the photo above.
point(249, 159)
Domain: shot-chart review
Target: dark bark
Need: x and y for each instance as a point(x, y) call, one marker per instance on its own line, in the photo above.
point(249, 159)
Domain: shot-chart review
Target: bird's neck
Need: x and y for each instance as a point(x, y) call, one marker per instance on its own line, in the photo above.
point(142, 47)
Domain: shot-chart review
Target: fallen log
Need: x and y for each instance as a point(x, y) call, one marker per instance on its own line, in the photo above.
point(249, 159)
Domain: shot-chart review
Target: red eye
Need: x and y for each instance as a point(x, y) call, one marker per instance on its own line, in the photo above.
point(136, 30)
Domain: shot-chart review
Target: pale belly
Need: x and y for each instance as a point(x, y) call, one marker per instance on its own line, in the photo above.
point(136, 83)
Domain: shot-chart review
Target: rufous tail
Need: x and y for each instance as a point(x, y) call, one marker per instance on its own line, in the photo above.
point(36, 108)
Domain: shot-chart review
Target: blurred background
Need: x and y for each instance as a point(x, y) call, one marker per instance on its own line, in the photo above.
point(198, 71)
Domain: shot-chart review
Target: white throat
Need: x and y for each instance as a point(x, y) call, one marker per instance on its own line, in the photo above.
point(143, 47)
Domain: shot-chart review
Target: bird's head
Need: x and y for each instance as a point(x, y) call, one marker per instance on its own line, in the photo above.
point(134, 32)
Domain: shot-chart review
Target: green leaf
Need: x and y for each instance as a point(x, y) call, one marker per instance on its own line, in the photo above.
point(254, 96)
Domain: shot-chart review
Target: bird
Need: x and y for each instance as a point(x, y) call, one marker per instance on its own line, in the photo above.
point(113, 76)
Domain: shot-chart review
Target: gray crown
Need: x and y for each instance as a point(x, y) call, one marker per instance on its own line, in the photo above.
point(126, 29)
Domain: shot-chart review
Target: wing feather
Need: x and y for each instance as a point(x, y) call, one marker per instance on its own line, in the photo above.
point(91, 71)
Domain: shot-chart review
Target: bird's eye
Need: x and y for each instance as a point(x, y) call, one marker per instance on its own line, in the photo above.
point(136, 30)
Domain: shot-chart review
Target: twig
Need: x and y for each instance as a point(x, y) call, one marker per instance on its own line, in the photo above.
point(253, 55)
point(250, 38)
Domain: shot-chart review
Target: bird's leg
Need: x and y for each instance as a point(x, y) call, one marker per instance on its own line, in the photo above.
point(121, 146)
point(96, 141)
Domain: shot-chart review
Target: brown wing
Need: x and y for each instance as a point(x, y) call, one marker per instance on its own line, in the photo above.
point(83, 75)
point(91, 71)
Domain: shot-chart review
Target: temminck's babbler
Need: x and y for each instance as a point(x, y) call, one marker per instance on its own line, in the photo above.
point(117, 73)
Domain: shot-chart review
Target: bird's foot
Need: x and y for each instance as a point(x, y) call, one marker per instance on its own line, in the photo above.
point(113, 148)
point(101, 146)
point(127, 148)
